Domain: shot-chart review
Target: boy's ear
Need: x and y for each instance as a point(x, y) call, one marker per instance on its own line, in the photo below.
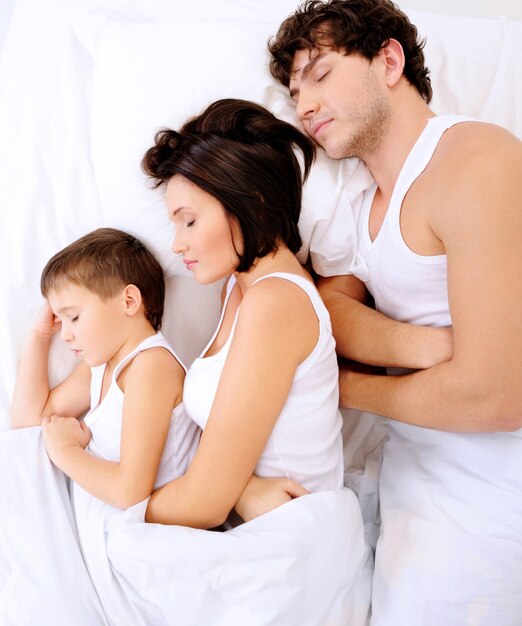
point(132, 297)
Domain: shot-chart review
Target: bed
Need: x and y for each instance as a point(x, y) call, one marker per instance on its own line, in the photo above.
point(84, 86)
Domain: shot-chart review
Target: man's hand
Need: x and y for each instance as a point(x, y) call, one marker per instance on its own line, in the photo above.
point(265, 494)
point(63, 433)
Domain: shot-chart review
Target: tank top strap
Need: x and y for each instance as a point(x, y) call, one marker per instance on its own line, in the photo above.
point(421, 154)
point(307, 287)
point(231, 281)
point(154, 341)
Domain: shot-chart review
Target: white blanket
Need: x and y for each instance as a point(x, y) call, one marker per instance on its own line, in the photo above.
point(304, 563)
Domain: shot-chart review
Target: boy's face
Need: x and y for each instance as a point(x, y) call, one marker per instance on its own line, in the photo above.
point(92, 327)
point(340, 100)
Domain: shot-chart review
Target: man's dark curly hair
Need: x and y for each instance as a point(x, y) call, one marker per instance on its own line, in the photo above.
point(354, 26)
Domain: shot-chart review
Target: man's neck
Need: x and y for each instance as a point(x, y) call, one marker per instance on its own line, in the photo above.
point(406, 126)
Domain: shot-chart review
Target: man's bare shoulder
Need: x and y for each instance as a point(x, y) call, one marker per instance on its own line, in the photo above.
point(472, 156)
point(475, 170)
point(476, 140)
point(475, 167)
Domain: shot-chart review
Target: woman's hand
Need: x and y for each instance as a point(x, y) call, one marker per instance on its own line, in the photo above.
point(435, 345)
point(63, 433)
point(265, 494)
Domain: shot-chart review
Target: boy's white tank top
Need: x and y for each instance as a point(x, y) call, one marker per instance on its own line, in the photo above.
point(105, 420)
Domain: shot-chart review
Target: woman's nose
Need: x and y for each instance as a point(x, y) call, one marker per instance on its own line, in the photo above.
point(178, 245)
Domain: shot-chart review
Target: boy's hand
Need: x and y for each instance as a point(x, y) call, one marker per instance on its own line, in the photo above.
point(63, 433)
point(46, 322)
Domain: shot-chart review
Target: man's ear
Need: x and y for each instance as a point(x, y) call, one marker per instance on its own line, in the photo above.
point(392, 56)
point(133, 300)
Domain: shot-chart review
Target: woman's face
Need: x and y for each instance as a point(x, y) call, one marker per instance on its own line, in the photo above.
point(204, 234)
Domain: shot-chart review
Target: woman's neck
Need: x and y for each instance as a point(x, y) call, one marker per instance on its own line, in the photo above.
point(282, 260)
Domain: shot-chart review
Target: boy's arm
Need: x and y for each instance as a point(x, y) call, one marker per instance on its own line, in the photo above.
point(363, 334)
point(32, 398)
point(153, 386)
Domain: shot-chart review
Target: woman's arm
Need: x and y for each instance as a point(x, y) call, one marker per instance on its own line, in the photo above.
point(153, 386)
point(277, 328)
point(32, 397)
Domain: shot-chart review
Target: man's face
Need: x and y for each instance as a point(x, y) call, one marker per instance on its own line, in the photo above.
point(341, 101)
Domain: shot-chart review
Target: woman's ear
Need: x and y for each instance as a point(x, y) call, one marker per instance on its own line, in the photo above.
point(393, 57)
point(133, 299)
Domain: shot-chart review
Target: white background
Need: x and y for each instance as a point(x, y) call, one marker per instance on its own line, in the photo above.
point(475, 8)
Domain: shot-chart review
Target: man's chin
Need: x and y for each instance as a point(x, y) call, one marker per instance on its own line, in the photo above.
point(335, 152)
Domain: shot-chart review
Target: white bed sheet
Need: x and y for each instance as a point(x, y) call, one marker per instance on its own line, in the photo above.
point(67, 104)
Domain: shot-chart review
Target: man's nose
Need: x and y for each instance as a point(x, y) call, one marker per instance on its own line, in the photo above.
point(307, 105)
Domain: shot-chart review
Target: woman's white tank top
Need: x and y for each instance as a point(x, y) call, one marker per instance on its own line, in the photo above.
point(306, 443)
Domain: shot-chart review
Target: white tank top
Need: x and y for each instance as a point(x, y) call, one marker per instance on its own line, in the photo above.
point(406, 286)
point(306, 443)
point(105, 420)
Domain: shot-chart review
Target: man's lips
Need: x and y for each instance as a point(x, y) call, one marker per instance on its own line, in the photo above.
point(317, 127)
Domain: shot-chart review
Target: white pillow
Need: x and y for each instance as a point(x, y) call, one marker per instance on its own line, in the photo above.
point(149, 75)
point(476, 66)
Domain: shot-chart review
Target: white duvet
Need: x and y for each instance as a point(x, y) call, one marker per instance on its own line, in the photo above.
point(305, 563)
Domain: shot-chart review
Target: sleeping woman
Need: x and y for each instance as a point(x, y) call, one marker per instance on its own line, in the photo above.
point(264, 390)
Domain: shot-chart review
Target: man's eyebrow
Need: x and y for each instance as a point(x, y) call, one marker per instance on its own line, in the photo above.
point(305, 70)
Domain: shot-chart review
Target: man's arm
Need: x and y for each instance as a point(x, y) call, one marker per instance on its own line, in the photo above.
point(363, 334)
point(479, 222)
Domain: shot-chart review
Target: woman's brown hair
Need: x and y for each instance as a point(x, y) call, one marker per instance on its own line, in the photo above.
point(243, 156)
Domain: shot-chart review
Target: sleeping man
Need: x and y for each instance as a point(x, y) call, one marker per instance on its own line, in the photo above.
point(439, 239)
